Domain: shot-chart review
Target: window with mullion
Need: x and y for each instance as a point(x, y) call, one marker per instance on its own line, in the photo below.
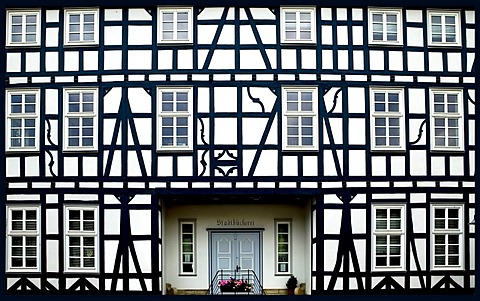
point(283, 247)
point(187, 252)
point(80, 119)
point(23, 28)
point(446, 119)
point(81, 247)
point(385, 26)
point(23, 238)
point(387, 121)
point(175, 25)
point(388, 237)
point(447, 232)
point(444, 28)
point(175, 118)
point(22, 120)
point(298, 25)
point(81, 27)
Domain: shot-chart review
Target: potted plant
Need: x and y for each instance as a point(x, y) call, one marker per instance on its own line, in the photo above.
point(291, 284)
point(235, 285)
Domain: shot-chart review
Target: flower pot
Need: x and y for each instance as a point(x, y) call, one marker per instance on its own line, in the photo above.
point(291, 291)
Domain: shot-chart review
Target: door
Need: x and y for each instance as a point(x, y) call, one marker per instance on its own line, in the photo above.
point(235, 253)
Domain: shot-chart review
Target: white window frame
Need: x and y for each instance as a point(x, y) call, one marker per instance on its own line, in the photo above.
point(22, 233)
point(82, 234)
point(23, 116)
point(81, 11)
point(297, 11)
point(389, 232)
point(459, 115)
point(387, 115)
point(181, 252)
point(175, 114)
point(286, 113)
point(23, 14)
point(443, 14)
point(175, 11)
point(288, 271)
point(81, 115)
point(459, 231)
point(385, 12)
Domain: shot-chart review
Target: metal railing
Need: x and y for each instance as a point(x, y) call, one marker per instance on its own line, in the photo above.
point(232, 277)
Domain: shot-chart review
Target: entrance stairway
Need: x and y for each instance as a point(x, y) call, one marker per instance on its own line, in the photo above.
point(232, 277)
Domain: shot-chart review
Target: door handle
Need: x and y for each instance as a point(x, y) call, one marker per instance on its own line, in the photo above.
point(237, 268)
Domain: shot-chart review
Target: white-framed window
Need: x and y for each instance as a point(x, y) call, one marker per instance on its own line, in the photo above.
point(174, 118)
point(444, 28)
point(297, 25)
point(81, 245)
point(446, 119)
point(187, 247)
point(385, 26)
point(175, 25)
point(388, 241)
point(447, 236)
point(23, 27)
point(300, 118)
point(22, 122)
point(387, 118)
point(80, 119)
point(81, 26)
point(283, 247)
point(23, 239)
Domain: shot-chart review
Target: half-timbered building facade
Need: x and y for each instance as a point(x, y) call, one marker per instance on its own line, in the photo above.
point(150, 143)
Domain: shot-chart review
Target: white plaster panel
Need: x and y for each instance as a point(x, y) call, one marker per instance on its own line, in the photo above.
point(52, 256)
point(379, 166)
point(165, 166)
point(418, 198)
point(264, 95)
point(470, 16)
point(111, 100)
point(262, 13)
point(329, 162)
point(421, 248)
point(246, 35)
point(90, 60)
point(140, 59)
point(138, 14)
point(377, 61)
point(52, 221)
point(419, 220)
point(112, 60)
point(342, 59)
point(435, 61)
point(359, 221)
point(144, 131)
point(358, 60)
point(206, 33)
point(52, 16)
point(342, 14)
point(326, 13)
point(133, 164)
point(395, 60)
point(342, 35)
point(185, 59)
point(251, 59)
point(140, 222)
point(32, 166)
point(226, 131)
point(267, 164)
point(140, 101)
point(203, 100)
point(225, 99)
point(470, 38)
point(116, 166)
point(290, 166)
point(113, 14)
point(471, 132)
point(14, 61)
point(113, 35)
point(414, 15)
point(13, 166)
point(415, 61)
point(227, 36)
point(356, 100)
point(470, 61)
point(357, 14)
point(471, 106)
point(357, 35)
point(71, 60)
point(327, 36)
point(110, 247)
point(185, 166)
point(223, 59)
point(165, 59)
point(289, 59)
point(89, 166)
point(51, 101)
point(143, 249)
point(332, 220)
point(357, 162)
point(454, 62)
point(211, 13)
point(336, 125)
point(327, 59)
point(472, 162)
point(72, 163)
point(272, 57)
point(356, 131)
point(267, 34)
point(309, 58)
point(418, 163)
point(398, 166)
point(456, 165)
point(51, 61)
point(416, 101)
point(438, 166)
point(51, 37)
point(139, 35)
point(415, 36)
point(310, 166)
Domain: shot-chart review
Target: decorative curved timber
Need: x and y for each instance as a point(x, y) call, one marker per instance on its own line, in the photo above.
point(202, 131)
point(420, 131)
point(470, 98)
point(204, 163)
point(51, 163)
point(255, 99)
point(49, 132)
point(335, 97)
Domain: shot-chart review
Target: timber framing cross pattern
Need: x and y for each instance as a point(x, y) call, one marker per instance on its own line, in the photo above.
point(155, 143)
